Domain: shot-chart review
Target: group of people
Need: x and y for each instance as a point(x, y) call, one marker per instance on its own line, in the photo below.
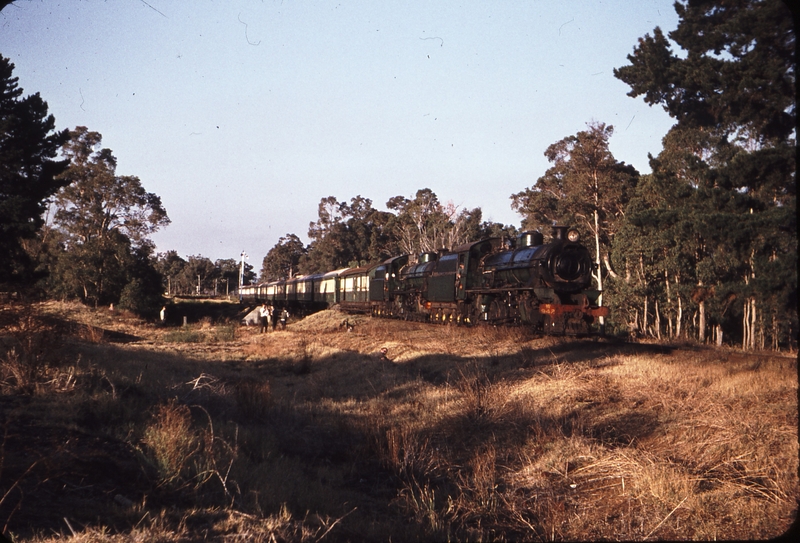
point(269, 318)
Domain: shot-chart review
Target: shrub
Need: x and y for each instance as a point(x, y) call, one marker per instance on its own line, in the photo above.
point(225, 333)
point(142, 299)
point(184, 335)
point(408, 454)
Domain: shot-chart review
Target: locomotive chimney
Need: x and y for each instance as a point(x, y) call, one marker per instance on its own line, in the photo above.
point(560, 232)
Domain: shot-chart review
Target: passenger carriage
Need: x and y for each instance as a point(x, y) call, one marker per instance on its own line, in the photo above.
point(354, 290)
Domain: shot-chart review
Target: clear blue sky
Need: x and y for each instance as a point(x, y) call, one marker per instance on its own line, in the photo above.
point(243, 114)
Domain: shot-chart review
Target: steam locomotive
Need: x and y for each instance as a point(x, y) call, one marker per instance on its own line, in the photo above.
point(546, 286)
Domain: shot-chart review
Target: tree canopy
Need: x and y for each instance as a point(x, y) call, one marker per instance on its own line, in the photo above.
point(283, 259)
point(354, 233)
point(103, 222)
point(737, 73)
point(424, 224)
point(346, 234)
point(96, 201)
point(29, 172)
point(586, 187)
point(712, 233)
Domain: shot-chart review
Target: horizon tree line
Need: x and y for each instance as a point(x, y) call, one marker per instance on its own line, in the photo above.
point(703, 247)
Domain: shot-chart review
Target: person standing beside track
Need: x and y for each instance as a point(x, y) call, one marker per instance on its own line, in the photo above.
point(263, 313)
point(284, 318)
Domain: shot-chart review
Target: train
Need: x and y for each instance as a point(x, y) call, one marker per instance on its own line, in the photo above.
point(544, 286)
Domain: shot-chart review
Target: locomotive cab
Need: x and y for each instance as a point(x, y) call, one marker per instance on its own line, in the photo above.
point(384, 284)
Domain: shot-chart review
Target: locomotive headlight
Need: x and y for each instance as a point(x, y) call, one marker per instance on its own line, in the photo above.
point(573, 236)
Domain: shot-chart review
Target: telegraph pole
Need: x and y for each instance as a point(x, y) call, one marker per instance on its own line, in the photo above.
point(241, 275)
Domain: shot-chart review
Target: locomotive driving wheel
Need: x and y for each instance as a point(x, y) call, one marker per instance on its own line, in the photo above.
point(463, 313)
point(498, 310)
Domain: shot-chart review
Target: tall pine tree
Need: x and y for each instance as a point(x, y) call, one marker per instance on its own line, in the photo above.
point(731, 158)
point(28, 172)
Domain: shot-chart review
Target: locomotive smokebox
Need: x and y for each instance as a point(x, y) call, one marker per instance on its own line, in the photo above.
point(529, 239)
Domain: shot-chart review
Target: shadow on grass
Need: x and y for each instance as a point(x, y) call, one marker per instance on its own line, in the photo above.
point(71, 455)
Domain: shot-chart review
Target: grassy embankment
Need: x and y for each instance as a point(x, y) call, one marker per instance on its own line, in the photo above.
point(118, 430)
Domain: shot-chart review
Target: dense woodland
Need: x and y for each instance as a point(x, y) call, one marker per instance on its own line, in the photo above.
point(703, 248)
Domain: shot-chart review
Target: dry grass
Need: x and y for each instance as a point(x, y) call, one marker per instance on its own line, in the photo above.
point(32, 348)
point(400, 431)
point(171, 442)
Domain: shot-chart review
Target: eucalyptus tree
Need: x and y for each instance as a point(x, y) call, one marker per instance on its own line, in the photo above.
point(96, 201)
point(283, 259)
point(424, 224)
point(197, 276)
point(227, 271)
point(585, 187)
point(170, 265)
point(29, 172)
point(330, 212)
point(105, 220)
point(347, 234)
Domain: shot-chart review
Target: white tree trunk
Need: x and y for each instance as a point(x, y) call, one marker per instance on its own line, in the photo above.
point(745, 327)
point(749, 321)
point(669, 298)
point(658, 321)
point(701, 334)
point(644, 317)
point(602, 320)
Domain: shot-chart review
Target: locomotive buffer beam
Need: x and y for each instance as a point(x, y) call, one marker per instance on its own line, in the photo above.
point(556, 310)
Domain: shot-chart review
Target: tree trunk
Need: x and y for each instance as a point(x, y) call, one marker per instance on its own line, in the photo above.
point(701, 333)
point(749, 321)
point(644, 317)
point(761, 333)
point(602, 320)
point(775, 343)
point(669, 297)
point(749, 317)
point(658, 321)
point(745, 327)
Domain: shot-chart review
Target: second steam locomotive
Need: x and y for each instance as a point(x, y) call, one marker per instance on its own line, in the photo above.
point(546, 286)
